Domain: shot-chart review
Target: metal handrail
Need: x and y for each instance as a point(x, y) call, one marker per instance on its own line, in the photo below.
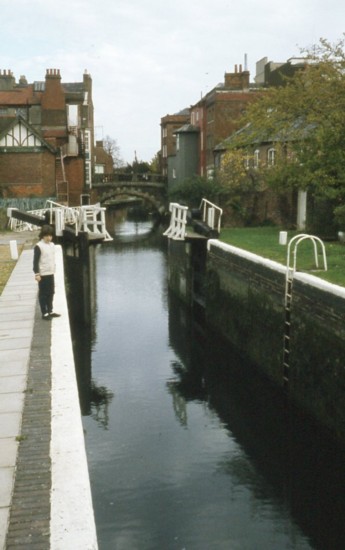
point(89, 218)
point(299, 239)
point(209, 211)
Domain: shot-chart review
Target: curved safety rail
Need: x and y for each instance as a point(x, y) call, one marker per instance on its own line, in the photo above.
point(298, 239)
point(290, 271)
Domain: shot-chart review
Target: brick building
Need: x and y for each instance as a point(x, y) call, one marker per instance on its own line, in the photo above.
point(218, 112)
point(213, 118)
point(104, 163)
point(46, 137)
point(169, 124)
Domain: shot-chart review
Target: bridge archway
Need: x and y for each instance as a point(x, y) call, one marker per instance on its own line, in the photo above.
point(154, 202)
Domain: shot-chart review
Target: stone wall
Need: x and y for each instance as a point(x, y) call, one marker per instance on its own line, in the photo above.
point(245, 303)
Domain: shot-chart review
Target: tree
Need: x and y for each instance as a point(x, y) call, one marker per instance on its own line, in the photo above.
point(194, 189)
point(240, 184)
point(155, 164)
point(111, 147)
point(305, 119)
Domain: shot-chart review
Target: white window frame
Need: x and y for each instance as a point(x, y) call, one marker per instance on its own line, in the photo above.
point(271, 156)
point(256, 158)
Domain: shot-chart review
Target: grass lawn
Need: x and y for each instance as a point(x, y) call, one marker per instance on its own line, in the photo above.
point(264, 241)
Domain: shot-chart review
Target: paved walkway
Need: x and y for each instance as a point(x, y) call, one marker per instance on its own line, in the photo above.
point(45, 497)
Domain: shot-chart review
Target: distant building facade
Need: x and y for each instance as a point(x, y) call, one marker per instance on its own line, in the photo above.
point(46, 137)
point(273, 73)
point(104, 163)
point(210, 121)
point(218, 112)
point(169, 125)
point(185, 162)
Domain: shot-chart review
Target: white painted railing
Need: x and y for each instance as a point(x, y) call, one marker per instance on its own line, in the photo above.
point(90, 219)
point(19, 225)
point(297, 239)
point(290, 269)
point(211, 214)
point(178, 222)
point(289, 277)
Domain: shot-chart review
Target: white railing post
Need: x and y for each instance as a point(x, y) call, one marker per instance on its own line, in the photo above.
point(59, 222)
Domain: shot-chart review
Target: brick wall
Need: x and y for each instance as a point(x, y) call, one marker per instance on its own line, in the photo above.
point(26, 174)
point(75, 176)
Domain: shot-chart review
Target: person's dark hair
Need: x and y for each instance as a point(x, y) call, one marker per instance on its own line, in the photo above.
point(46, 230)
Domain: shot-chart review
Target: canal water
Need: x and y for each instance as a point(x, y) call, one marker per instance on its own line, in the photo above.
point(187, 448)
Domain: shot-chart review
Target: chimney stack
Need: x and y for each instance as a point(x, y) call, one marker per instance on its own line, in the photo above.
point(54, 114)
point(7, 80)
point(239, 80)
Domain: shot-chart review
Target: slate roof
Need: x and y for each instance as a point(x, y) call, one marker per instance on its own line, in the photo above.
point(184, 112)
point(297, 130)
point(187, 129)
point(73, 87)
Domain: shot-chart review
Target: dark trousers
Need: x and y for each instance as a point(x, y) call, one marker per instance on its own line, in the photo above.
point(46, 289)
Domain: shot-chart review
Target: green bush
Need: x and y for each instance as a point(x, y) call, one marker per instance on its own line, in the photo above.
point(193, 190)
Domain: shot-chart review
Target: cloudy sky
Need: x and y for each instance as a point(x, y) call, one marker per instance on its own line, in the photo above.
point(149, 58)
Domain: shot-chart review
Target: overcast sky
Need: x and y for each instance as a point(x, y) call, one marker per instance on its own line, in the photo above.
point(149, 58)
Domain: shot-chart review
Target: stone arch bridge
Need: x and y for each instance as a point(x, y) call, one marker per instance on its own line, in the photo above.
point(152, 191)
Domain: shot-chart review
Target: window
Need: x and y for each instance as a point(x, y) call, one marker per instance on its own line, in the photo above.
point(174, 173)
point(87, 173)
point(256, 158)
point(177, 142)
point(87, 140)
point(271, 154)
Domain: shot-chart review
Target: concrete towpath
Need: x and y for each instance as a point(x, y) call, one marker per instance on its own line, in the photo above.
point(45, 496)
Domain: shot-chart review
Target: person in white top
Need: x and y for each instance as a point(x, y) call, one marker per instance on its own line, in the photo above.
point(44, 269)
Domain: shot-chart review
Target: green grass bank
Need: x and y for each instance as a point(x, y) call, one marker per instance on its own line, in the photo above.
point(264, 241)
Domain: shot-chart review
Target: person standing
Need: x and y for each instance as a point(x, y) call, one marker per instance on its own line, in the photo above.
point(44, 269)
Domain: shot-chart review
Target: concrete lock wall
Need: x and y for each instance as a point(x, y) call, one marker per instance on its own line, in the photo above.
point(180, 269)
point(244, 302)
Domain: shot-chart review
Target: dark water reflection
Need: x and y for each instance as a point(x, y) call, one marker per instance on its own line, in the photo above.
point(187, 449)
